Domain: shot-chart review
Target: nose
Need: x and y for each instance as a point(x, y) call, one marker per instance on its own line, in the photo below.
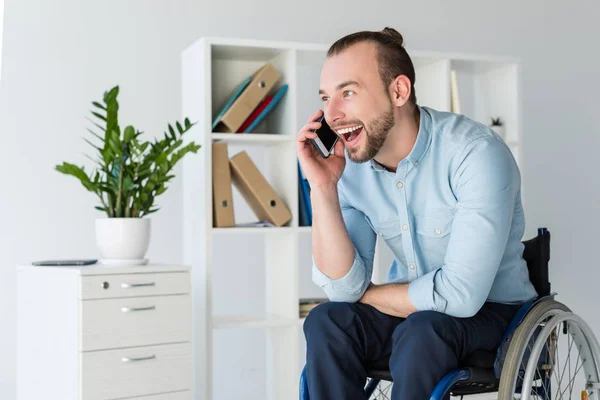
point(334, 112)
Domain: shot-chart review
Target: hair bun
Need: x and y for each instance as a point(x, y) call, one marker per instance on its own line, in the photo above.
point(394, 35)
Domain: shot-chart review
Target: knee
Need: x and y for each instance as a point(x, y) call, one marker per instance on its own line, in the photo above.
point(325, 317)
point(424, 325)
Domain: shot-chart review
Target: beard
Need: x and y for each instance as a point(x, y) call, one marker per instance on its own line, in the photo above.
point(375, 136)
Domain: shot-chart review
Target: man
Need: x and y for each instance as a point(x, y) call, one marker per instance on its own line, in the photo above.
point(443, 191)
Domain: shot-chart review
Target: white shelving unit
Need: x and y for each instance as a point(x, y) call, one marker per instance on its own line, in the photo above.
point(247, 281)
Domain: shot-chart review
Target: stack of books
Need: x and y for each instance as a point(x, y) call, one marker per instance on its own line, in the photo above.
point(251, 101)
point(306, 305)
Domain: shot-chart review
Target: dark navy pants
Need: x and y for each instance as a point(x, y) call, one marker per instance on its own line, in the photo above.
point(345, 339)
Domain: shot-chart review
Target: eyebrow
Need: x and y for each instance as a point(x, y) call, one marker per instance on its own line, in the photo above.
point(342, 85)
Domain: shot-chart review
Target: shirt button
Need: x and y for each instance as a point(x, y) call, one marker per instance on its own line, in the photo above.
point(412, 266)
point(380, 233)
point(399, 184)
point(405, 227)
point(416, 163)
point(438, 231)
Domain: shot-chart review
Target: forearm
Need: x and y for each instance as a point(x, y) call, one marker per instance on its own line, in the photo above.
point(333, 250)
point(391, 299)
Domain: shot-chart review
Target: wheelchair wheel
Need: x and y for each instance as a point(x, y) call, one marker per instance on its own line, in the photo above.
point(383, 391)
point(553, 355)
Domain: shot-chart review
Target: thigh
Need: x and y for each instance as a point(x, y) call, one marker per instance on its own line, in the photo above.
point(370, 329)
point(485, 329)
point(463, 336)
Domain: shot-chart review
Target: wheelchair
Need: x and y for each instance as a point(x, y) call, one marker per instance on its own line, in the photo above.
point(530, 361)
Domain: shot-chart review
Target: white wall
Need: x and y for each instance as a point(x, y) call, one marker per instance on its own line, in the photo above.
point(60, 55)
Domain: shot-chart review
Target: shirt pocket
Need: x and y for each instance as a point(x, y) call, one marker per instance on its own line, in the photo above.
point(433, 234)
point(435, 226)
point(386, 229)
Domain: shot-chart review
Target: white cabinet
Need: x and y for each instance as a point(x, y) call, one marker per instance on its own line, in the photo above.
point(100, 333)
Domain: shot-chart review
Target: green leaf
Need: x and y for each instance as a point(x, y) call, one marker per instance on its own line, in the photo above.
point(115, 146)
point(99, 105)
point(128, 184)
point(112, 94)
point(102, 117)
point(95, 134)
point(172, 132)
point(162, 158)
point(187, 123)
point(97, 125)
point(93, 145)
point(129, 134)
point(179, 128)
point(79, 173)
point(96, 161)
point(161, 190)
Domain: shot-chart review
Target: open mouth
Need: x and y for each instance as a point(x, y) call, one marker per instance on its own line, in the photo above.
point(350, 135)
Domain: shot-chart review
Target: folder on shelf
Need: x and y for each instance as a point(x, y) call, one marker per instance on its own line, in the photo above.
point(269, 107)
point(222, 193)
point(255, 114)
point(236, 93)
point(260, 195)
point(261, 83)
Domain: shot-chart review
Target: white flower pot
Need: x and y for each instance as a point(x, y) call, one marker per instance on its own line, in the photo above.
point(123, 240)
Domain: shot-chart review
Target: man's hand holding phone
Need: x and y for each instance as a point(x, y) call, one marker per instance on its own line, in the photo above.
point(319, 167)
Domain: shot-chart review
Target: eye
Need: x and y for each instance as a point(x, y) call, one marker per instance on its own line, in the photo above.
point(348, 93)
point(324, 98)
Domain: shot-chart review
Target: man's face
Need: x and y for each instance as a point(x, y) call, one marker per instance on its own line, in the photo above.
point(357, 105)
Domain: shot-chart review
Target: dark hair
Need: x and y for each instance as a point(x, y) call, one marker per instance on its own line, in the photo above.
point(392, 56)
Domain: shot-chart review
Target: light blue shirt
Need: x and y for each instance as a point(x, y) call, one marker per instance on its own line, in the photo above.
point(451, 214)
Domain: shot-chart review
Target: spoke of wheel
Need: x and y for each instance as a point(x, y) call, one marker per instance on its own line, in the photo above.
point(570, 341)
point(557, 357)
point(576, 364)
point(561, 393)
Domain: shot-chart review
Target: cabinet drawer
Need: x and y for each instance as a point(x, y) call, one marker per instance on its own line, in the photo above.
point(141, 321)
point(115, 374)
point(131, 285)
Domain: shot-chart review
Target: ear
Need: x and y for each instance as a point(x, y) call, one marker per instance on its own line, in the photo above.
point(400, 90)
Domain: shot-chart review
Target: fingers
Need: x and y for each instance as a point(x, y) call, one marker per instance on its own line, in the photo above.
point(315, 116)
point(307, 131)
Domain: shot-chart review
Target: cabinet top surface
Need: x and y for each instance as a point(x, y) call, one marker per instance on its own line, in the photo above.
point(100, 269)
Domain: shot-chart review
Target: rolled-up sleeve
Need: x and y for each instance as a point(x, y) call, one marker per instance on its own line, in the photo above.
point(353, 285)
point(486, 183)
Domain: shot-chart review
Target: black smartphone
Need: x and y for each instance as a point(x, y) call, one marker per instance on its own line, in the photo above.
point(326, 138)
point(63, 263)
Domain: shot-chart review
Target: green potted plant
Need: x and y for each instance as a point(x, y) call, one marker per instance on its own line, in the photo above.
point(129, 175)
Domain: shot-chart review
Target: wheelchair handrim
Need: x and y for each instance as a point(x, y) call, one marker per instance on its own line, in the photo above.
point(587, 345)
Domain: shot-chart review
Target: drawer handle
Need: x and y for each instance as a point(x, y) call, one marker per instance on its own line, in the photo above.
point(131, 309)
point(136, 285)
point(127, 359)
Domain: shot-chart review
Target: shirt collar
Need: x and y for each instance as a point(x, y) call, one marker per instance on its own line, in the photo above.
point(421, 144)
